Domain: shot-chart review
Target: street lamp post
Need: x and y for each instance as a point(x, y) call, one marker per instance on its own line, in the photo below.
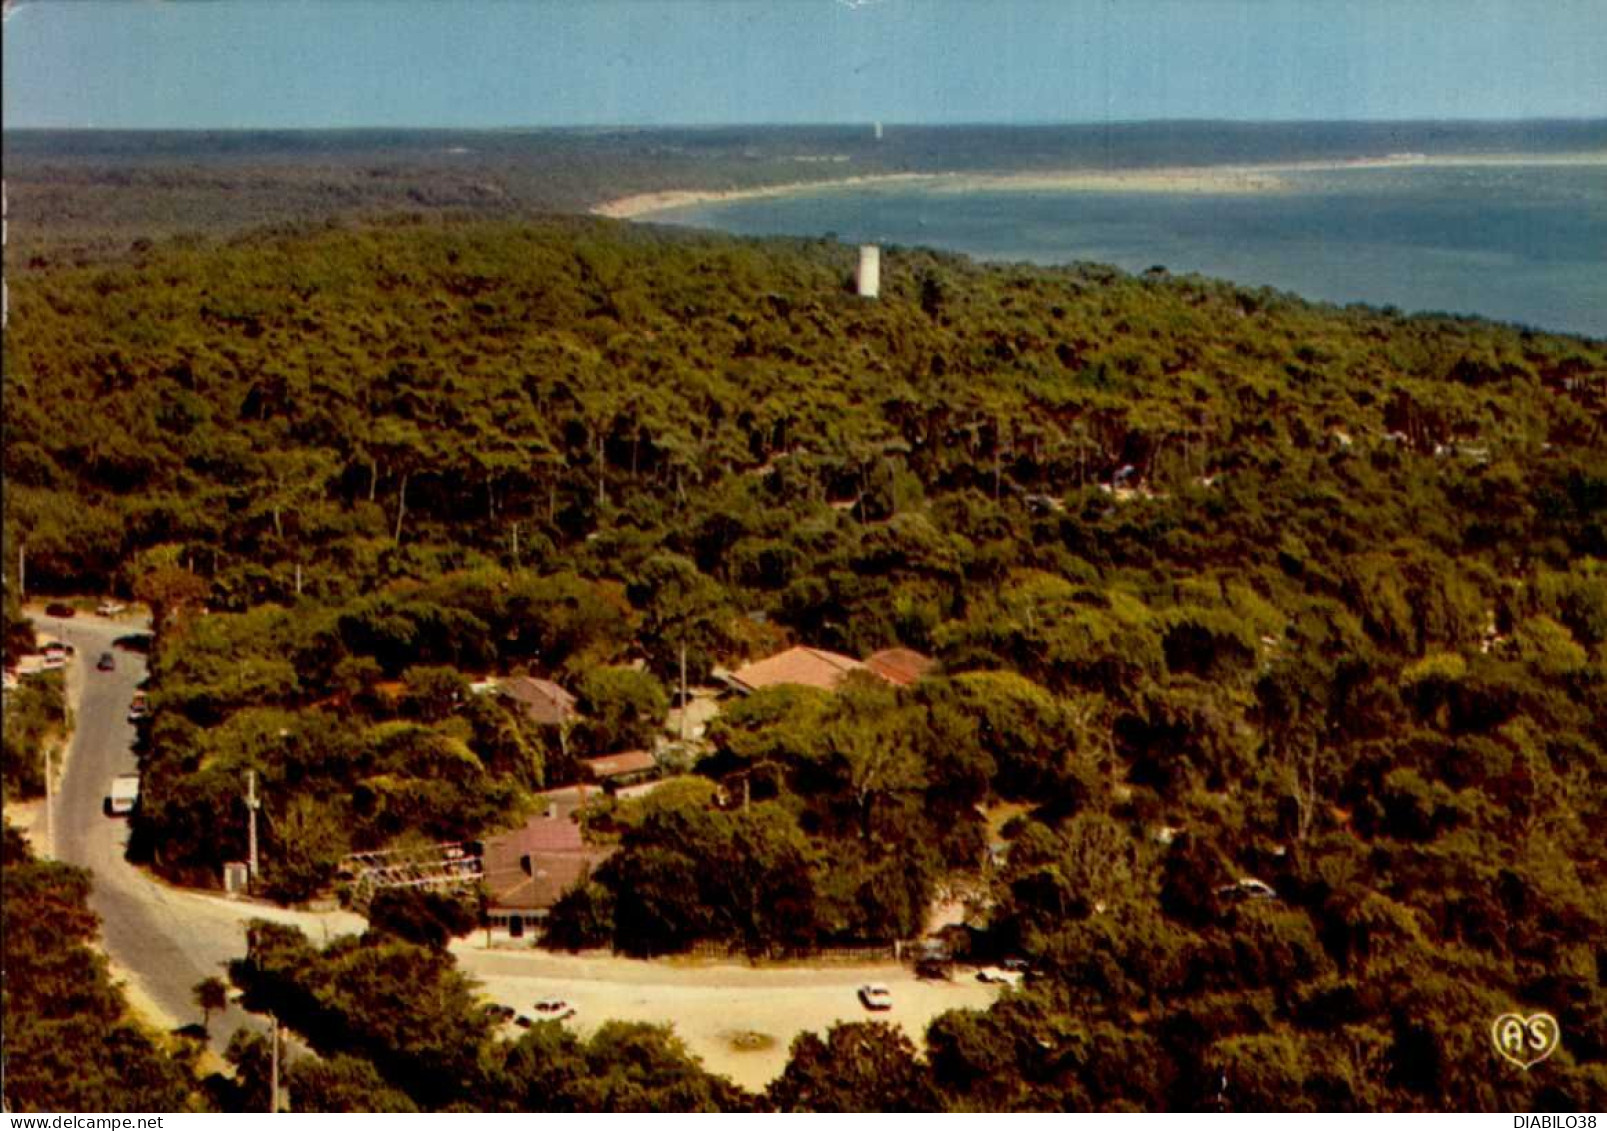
point(273, 1074)
point(253, 803)
point(50, 805)
point(683, 692)
point(239, 998)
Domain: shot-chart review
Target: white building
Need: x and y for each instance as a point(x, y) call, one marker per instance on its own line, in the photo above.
point(869, 276)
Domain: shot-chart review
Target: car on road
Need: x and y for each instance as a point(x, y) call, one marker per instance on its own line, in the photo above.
point(122, 796)
point(60, 610)
point(554, 1009)
point(934, 970)
point(876, 997)
point(110, 608)
point(106, 663)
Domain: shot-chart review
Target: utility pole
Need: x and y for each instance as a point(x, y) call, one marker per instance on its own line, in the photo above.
point(273, 1060)
point(50, 805)
point(683, 691)
point(253, 803)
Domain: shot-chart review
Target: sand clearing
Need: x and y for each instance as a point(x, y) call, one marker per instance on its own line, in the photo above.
point(738, 1019)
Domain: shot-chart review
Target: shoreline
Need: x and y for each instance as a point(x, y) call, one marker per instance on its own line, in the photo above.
point(1236, 179)
point(641, 204)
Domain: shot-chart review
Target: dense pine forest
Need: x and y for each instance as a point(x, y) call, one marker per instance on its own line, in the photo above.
point(1223, 585)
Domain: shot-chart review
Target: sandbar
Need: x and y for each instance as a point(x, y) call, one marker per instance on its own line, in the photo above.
point(1222, 179)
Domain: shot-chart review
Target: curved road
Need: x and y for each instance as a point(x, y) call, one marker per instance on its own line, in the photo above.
point(164, 940)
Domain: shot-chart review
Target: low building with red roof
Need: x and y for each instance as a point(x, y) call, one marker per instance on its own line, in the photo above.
point(621, 769)
point(543, 700)
point(816, 667)
point(902, 666)
point(799, 666)
point(526, 871)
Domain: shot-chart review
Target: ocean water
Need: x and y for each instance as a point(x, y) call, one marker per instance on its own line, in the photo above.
point(1521, 243)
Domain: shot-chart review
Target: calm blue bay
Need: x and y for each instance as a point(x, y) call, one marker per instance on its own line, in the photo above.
point(1517, 243)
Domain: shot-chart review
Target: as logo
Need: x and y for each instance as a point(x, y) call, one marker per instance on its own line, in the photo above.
point(1525, 1041)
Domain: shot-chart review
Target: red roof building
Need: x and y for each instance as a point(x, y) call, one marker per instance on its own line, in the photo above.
point(901, 666)
point(631, 765)
point(544, 701)
point(815, 667)
point(804, 667)
point(525, 871)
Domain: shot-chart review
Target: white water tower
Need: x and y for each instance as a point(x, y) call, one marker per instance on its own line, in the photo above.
point(869, 275)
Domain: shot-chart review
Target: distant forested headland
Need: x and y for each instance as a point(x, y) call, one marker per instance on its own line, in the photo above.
point(82, 194)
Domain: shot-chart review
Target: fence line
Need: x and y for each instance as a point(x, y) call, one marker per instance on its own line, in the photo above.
point(716, 948)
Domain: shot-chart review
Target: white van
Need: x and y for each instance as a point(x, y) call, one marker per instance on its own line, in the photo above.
point(122, 796)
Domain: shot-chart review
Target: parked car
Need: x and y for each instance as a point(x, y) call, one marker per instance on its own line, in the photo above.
point(110, 608)
point(554, 1009)
point(106, 663)
point(998, 976)
point(1247, 887)
point(60, 610)
point(54, 655)
point(876, 997)
point(501, 1013)
point(139, 708)
point(934, 970)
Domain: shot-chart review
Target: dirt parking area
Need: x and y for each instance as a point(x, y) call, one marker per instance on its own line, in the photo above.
point(740, 1020)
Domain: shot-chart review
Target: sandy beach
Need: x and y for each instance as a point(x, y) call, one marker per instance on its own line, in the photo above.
point(1180, 179)
point(644, 204)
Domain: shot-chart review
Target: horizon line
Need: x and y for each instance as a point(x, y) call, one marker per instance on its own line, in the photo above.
point(853, 124)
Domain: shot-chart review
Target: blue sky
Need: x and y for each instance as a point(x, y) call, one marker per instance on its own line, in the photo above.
point(496, 63)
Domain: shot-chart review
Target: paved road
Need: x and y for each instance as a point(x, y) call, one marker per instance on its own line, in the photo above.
point(163, 940)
